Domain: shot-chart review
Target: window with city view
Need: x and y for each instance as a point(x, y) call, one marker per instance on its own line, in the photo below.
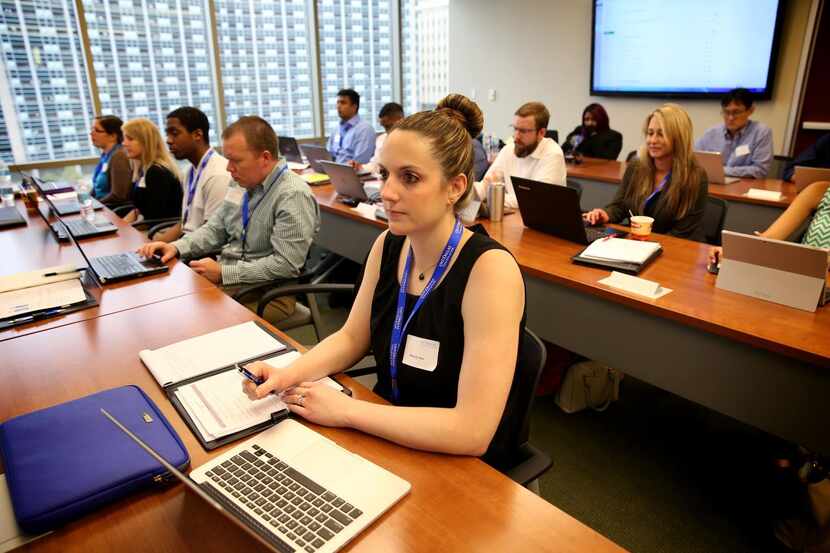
point(151, 56)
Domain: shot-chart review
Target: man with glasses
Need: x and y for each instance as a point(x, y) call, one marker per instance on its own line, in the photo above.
point(744, 145)
point(533, 156)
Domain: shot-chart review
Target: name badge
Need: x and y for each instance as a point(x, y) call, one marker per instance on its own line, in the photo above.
point(742, 150)
point(421, 353)
point(104, 167)
point(142, 183)
point(234, 196)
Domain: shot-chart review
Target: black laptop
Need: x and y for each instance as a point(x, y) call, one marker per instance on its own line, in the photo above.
point(289, 149)
point(11, 217)
point(554, 210)
point(65, 206)
point(80, 228)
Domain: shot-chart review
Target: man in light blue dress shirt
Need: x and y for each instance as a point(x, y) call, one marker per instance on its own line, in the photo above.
point(744, 145)
point(354, 139)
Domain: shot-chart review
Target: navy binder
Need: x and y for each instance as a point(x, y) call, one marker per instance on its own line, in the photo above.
point(67, 460)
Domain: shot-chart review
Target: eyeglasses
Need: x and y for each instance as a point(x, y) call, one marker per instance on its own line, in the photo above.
point(100, 131)
point(522, 131)
point(732, 113)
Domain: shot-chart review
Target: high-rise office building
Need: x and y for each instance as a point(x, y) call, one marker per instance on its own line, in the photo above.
point(44, 94)
point(356, 52)
point(151, 56)
point(266, 62)
point(425, 42)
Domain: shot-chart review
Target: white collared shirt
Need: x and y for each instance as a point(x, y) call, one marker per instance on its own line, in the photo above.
point(545, 164)
point(210, 191)
point(374, 164)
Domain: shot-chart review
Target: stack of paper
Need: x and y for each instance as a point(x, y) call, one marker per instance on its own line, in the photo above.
point(760, 194)
point(28, 279)
point(315, 178)
point(40, 298)
point(209, 352)
point(219, 407)
point(620, 250)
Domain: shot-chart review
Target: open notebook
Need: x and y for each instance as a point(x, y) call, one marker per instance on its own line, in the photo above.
point(43, 293)
point(200, 378)
point(625, 255)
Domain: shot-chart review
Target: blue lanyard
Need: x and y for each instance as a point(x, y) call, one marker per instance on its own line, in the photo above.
point(246, 214)
point(102, 162)
point(657, 190)
point(192, 182)
point(399, 327)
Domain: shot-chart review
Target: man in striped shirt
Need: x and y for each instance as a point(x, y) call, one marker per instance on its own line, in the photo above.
point(265, 225)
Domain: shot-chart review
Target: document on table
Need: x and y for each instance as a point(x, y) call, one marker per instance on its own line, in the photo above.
point(206, 353)
point(218, 406)
point(620, 250)
point(18, 281)
point(759, 194)
point(40, 298)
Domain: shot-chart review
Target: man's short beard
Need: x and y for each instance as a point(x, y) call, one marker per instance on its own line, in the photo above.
point(524, 151)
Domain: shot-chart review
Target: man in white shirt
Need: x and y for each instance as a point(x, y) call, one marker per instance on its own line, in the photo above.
point(207, 180)
point(389, 114)
point(532, 156)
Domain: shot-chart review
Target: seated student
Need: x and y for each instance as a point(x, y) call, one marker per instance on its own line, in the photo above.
point(354, 138)
point(594, 137)
point(389, 114)
point(532, 156)
point(746, 146)
point(157, 191)
point(263, 228)
point(817, 155)
point(449, 380)
point(664, 182)
point(813, 200)
point(207, 180)
point(111, 182)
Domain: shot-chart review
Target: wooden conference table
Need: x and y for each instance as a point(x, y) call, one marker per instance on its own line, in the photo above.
point(34, 246)
point(456, 503)
point(600, 180)
point(759, 362)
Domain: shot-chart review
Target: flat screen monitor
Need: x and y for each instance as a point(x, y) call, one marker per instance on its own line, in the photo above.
point(684, 48)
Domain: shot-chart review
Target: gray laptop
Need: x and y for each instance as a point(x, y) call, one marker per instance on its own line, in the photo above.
point(80, 228)
point(289, 149)
point(712, 163)
point(347, 182)
point(11, 217)
point(314, 154)
point(291, 488)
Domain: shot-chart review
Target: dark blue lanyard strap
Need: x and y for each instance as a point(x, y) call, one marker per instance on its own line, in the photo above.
point(399, 327)
point(105, 158)
point(657, 190)
point(192, 181)
point(246, 213)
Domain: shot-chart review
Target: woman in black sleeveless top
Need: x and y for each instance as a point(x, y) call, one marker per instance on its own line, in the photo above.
point(457, 357)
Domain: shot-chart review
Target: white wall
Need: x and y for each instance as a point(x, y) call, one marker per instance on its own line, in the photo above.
point(541, 50)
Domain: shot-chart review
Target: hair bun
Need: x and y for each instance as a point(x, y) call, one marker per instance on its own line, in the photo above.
point(463, 110)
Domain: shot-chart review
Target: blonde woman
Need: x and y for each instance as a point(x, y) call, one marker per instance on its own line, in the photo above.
point(664, 182)
point(156, 189)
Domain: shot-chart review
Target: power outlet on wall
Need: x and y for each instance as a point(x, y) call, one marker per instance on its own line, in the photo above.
point(491, 94)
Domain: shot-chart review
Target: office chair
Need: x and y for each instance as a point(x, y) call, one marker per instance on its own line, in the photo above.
point(779, 164)
point(713, 219)
point(553, 134)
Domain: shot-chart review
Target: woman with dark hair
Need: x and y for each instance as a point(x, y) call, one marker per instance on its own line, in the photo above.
point(111, 179)
point(425, 307)
point(594, 137)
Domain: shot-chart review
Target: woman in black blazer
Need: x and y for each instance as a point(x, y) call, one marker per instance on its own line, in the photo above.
point(157, 189)
point(664, 182)
point(594, 138)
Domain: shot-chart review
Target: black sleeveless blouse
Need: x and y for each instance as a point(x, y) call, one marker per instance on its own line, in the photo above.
point(438, 319)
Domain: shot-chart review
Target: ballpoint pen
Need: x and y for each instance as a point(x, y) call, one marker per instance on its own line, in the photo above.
point(249, 375)
point(56, 273)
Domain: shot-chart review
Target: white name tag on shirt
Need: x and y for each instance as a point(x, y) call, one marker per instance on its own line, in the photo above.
point(742, 150)
point(234, 196)
point(104, 167)
point(142, 183)
point(421, 353)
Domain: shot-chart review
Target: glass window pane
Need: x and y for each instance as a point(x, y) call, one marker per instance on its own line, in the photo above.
point(45, 104)
point(355, 52)
point(152, 56)
point(266, 63)
point(425, 56)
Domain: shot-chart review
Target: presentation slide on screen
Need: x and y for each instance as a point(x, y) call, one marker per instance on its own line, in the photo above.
point(681, 46)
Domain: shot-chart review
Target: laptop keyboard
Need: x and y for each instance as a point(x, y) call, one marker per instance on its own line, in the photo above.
point(114, 266)
point(594, 234)
point(78, 228)
point(282, 499)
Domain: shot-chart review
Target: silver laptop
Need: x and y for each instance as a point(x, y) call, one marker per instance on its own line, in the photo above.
point(314, 154)
point(712, 163)
point(805, 176)
point(773, 270)
point(347, 182)
point(291, 488)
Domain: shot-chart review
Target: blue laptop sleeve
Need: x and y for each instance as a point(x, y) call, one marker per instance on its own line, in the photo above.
point(67, 460)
